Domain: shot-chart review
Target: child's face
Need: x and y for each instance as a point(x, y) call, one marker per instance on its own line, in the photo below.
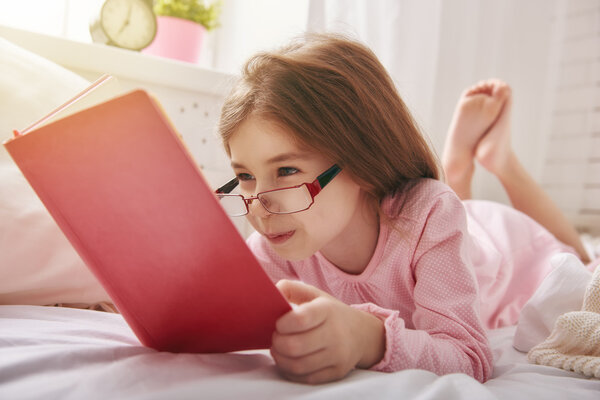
point(264, 157)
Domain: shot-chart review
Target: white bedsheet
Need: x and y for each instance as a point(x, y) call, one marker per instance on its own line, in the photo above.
point(62, 353)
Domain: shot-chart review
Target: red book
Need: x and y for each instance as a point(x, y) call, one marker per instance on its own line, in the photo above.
point(128, 195)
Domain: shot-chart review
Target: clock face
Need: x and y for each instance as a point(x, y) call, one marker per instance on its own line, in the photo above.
point(128, 23)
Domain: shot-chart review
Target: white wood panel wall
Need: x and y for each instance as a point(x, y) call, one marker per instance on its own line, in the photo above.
point(571, 171)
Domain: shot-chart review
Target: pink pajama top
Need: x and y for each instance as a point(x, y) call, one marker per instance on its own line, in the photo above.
point(442, 272)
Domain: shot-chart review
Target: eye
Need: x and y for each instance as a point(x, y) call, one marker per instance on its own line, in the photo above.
point(287, 171)
point(243, 177)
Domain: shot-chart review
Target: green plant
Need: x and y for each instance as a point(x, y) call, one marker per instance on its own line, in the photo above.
point(205, 13)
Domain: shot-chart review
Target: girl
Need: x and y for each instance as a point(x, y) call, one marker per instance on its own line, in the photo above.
point(386, 265)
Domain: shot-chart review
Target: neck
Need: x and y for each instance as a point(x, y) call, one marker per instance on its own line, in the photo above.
point(352, 250)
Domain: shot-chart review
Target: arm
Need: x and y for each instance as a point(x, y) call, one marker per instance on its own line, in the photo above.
point(445, 334)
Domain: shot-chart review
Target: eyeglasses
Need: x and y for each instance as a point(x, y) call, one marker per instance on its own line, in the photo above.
point(286, 200)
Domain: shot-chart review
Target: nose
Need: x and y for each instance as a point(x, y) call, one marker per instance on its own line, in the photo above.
point(256, 209)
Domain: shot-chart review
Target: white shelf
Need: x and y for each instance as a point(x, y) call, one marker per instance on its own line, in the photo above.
point(127, 64)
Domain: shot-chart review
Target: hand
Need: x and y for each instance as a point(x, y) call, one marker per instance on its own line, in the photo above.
point(323, 339)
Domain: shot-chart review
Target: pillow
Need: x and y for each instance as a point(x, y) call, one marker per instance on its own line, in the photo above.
point(38, 266)
point(562, 291)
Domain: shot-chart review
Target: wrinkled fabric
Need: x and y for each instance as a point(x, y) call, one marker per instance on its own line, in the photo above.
point(574, 344)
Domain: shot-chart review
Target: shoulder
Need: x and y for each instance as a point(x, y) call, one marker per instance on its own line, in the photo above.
point(423, 213)
point(419, 198)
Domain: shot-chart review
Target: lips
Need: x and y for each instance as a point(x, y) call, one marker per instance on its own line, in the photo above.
point(278, 238)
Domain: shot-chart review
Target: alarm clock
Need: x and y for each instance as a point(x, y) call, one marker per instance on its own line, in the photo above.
point(130, 24)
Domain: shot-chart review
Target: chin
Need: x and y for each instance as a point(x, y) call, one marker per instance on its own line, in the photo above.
point(293, 255)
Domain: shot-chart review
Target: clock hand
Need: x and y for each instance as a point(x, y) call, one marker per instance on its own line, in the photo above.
point(126, 24)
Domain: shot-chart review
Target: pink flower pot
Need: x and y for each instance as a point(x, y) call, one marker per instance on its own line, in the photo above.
point(177, 38)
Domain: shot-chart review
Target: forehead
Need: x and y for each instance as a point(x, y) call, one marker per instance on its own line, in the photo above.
point(258, 139)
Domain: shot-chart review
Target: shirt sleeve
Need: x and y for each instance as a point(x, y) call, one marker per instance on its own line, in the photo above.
point(448, 335)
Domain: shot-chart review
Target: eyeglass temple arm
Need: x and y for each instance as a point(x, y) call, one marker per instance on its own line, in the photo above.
point(228, 187)
point(322, 180)
point(314, 187)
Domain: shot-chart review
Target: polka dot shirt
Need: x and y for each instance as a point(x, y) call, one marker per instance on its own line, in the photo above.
point(420, 281)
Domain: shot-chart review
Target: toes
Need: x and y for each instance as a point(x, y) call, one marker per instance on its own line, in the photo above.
point(483, 87)
point(502, 91)
point(492, 87)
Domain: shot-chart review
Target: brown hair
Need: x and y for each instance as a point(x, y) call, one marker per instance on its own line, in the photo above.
point(336, 98)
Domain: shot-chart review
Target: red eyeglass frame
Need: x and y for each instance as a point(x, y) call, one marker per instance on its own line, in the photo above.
point(314, 188)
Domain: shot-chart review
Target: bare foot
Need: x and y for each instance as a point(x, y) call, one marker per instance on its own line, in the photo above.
point(476, 111)
point(494, 151)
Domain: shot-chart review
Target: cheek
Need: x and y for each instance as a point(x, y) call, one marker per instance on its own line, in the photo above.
point(340, 203)
point(332, 213)
point(252, 220)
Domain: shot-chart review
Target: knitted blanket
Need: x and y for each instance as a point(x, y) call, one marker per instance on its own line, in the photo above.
point(574, 344)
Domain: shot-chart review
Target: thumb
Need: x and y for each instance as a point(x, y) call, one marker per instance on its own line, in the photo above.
point(297, 292)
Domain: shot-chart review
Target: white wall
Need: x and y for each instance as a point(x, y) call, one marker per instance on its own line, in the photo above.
point(513, 40)
point(65, 18)
point(571, 164)
point(246, 26)
point(251, 26)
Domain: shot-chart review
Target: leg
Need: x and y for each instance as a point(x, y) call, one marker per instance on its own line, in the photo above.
point(477, 110)
point(494, 152)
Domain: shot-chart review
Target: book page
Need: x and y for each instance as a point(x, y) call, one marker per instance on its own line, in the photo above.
point(104, 88)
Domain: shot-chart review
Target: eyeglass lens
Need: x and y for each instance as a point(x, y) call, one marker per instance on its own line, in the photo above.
point(282, 201)
point(233, 204)
point(286, 200)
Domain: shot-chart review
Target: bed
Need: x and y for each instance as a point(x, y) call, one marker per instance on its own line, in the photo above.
point(69, 352)
point(63, 353)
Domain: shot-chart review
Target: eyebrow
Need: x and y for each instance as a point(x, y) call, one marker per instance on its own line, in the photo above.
point(279, 158)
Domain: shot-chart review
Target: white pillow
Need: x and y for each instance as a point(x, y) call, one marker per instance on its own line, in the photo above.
point(560, 292)
point(37, 264)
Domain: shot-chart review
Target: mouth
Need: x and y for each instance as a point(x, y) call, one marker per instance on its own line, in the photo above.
point(279, 238)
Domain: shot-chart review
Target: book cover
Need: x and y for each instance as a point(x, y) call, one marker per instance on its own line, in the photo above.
point(125, 191)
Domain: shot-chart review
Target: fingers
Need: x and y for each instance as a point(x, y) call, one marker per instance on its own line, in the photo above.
point(297, 292)
point(303, 365)
point(316, 342)
point(299, 344)
point(311, 311)
point(303, 318)
point(305, 356)
point(313, 368)
point(328, 374)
